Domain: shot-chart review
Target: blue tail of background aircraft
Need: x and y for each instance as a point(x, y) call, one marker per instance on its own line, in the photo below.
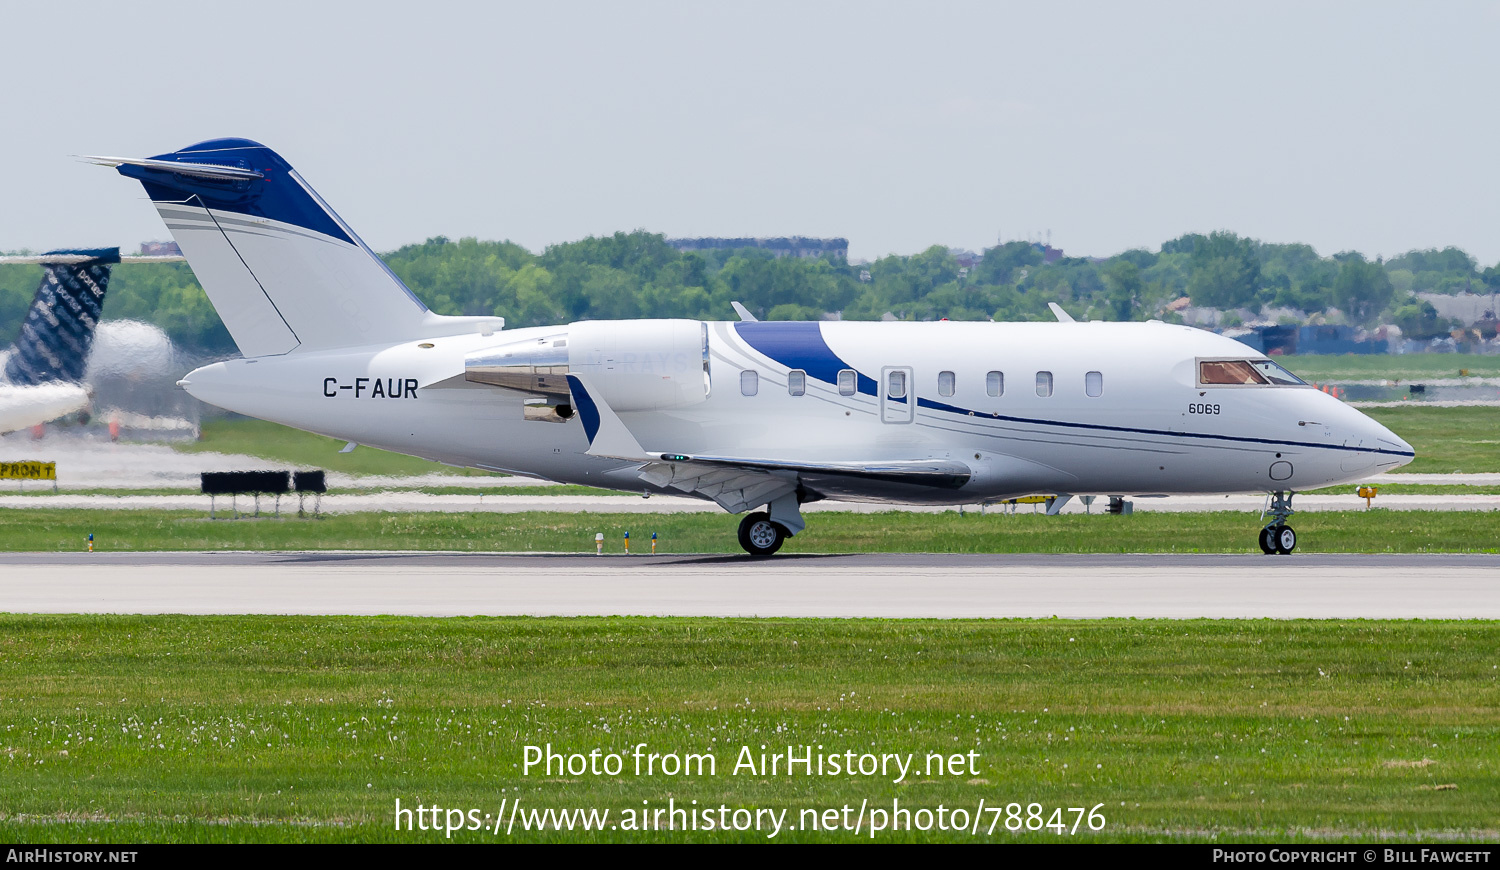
point(58, 332)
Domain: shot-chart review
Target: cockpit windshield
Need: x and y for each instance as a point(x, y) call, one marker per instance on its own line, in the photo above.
point(1245, 372)
point(1276, 374)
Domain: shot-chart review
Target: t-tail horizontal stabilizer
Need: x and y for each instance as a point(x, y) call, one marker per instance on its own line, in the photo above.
point(283, 270)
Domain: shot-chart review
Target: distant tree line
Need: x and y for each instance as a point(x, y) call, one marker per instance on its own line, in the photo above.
point(639, 275)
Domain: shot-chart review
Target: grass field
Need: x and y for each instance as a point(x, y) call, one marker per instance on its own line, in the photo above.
point(43, 490)
point(309, 729)
point(1357, 531)
point(1406, 367)
point(1413, 489)
point(1446, 440)
point(293, 446)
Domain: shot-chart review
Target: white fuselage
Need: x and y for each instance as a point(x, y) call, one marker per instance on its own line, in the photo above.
point(1151, 428)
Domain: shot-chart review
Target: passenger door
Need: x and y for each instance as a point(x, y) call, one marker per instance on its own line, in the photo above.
point(897, 394)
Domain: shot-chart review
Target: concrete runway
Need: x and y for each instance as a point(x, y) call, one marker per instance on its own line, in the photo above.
point(942, 586)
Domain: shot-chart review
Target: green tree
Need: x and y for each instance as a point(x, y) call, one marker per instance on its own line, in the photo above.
point(1000, 264)
point(1123, 278)
point(1420, 320)
point(17, 287)
point(1225, 271)
point(1362, 289)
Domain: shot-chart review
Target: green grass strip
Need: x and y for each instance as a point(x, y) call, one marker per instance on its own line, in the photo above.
point(1405, 367)
point(309, 729)
point(1357, 531)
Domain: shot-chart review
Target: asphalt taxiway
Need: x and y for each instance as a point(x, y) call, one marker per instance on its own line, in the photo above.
point(874, 585)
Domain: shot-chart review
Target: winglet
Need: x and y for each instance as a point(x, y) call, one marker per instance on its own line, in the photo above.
point(607, 435)
point(1062, 316)
point(744, 313)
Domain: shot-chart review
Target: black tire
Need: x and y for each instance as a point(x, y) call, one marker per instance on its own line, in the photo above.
point(759, 536)
point(1268, 540)
point(1286, 540)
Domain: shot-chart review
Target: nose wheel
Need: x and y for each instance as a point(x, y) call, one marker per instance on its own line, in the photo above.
point(760, 536)
point(1278, 538)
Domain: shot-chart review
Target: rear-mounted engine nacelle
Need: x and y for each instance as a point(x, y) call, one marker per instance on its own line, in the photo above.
point(537, 366)
point(642, 365)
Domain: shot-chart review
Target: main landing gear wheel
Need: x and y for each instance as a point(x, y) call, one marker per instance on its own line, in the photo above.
point(759, 536)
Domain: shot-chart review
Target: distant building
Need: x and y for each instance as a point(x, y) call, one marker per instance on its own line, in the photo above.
point(160, 249)
point(1467, 308)
point(787, 246)
point(1324, 339)
point(966, 258)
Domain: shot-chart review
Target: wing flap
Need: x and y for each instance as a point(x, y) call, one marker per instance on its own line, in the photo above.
point(938, 473)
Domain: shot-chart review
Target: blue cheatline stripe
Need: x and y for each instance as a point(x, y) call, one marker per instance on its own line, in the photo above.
point(987, 415)
point(799, 344)
point(588, 412)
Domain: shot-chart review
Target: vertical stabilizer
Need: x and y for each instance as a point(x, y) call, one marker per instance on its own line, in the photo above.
point(281, 268)
point(54, 341)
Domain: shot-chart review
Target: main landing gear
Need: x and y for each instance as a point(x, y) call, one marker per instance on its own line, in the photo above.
point(1278, 538)
point(763, 532)
point(760, 535)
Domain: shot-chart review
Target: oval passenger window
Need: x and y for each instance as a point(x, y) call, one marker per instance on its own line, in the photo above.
point(1044, 384)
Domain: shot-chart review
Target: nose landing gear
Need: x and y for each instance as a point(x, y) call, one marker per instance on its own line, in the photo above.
point(1278, 538)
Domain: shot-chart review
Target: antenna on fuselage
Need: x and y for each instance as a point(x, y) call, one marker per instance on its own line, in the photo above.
point(1062, 316)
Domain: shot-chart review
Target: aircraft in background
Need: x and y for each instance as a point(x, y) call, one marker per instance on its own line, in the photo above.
point(760, 417)
point(43, 372)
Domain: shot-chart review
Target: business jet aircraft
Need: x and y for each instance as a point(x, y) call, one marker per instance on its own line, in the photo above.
point(41, 375)
point(748, 414)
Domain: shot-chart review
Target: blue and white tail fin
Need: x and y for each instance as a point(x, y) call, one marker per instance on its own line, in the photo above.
point(281, 268)
point(58, 332)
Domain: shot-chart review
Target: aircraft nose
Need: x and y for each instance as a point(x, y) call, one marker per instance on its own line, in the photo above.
point(1388, 440)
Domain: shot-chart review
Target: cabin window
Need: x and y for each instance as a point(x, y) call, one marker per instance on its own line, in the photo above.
point(994, 384)
point(945, 383)
point(896, 385)
point(1044, 384)
point(796, 382)
point(749, 382)
point(1093, 384)
point(846, 382)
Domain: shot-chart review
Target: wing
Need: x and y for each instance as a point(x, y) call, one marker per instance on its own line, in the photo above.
point(739, 483)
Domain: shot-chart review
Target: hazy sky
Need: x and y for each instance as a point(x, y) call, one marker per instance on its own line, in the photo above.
point(1363, 125)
